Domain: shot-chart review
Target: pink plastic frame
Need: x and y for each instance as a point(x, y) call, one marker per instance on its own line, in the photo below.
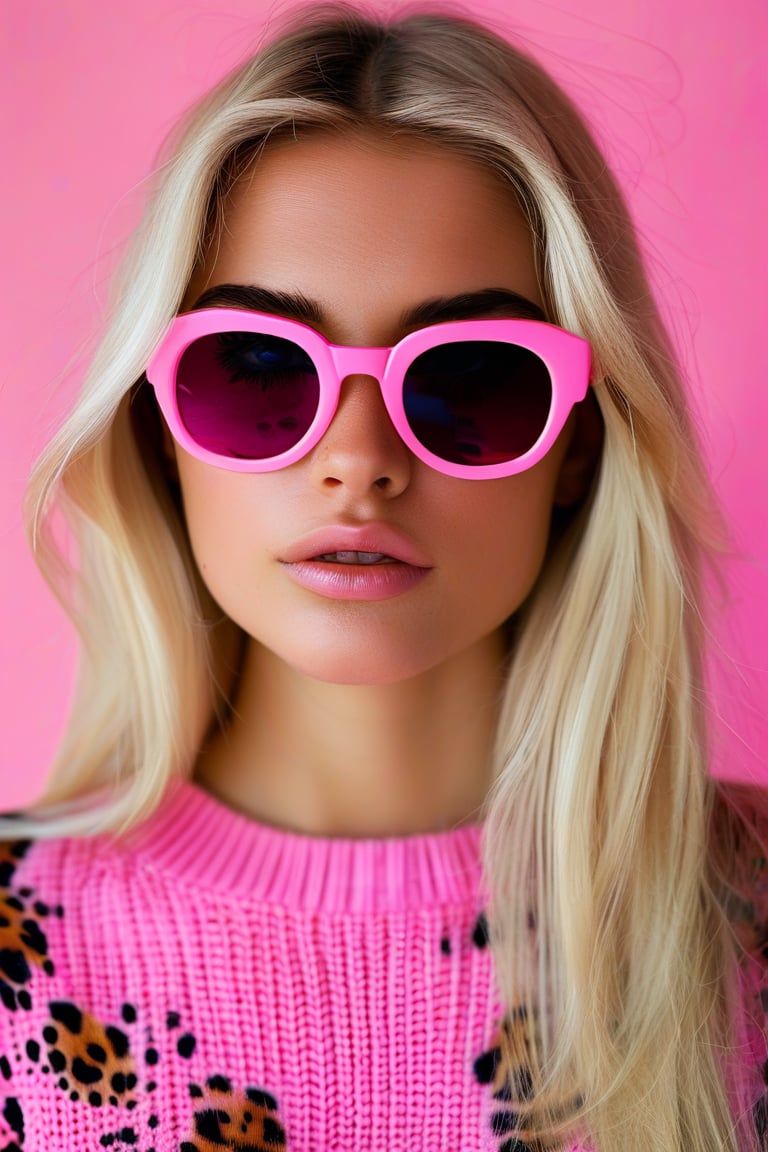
point(566, 356)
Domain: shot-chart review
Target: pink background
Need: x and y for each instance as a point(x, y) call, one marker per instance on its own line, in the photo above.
point(676, 91)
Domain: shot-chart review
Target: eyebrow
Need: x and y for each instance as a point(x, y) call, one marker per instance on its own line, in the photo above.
point(487, 302)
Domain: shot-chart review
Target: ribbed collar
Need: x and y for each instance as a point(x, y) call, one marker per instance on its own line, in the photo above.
point(195, 838)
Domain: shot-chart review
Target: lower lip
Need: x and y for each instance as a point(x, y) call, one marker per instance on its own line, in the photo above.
point(356, 581)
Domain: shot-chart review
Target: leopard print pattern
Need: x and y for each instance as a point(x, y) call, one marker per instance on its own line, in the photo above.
point(23, 944)
point(92, 1059)
point(746, 905)
point(94, 1062)
point(505, 1122)
point(749, 918)
point(511, 1087)
point(225, 1118)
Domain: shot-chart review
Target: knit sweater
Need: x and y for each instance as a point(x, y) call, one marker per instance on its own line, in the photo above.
point(209, 982)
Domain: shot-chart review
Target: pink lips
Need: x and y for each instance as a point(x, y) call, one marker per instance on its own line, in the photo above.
point(404, 567)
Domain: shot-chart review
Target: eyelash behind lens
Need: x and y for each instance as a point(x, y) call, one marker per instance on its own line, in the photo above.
point(234, 347)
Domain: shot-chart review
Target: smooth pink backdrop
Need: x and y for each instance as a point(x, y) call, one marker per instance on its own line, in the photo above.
point(676, 91)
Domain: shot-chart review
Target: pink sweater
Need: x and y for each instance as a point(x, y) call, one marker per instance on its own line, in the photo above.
point(213, 983)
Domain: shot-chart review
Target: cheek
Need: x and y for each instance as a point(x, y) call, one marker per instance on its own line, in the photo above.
point(219, 521)
point(508, 561)
point(504, 532)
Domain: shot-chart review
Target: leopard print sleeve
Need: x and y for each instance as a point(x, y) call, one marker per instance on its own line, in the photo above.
point(16, 937)
point(748, 910)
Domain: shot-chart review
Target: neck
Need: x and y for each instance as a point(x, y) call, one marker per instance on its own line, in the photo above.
point(359, 760)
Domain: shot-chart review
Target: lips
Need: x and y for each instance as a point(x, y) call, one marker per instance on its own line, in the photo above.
point(361, 545)
point(367, 558)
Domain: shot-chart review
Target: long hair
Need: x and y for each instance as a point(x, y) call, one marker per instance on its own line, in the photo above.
point(602, 830)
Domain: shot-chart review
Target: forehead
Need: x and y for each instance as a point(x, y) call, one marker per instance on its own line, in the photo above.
point(362, 222)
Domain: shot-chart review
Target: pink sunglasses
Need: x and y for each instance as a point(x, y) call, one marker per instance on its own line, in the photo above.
point(475, 399)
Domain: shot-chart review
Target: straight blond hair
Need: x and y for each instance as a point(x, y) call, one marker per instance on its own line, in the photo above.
point(603, 829)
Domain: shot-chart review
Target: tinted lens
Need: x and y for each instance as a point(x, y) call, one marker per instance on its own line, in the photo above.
point(477, 401)
point(246, 395)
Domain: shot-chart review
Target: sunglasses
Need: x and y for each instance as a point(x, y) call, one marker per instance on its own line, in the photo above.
point(475, 399)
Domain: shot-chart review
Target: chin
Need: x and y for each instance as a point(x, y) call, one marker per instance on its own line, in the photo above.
point(361, 669)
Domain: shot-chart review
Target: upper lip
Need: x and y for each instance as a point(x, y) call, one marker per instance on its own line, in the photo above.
point(370, 537)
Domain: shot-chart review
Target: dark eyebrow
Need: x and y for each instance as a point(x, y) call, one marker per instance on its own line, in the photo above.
point(294, 305)
point(487, 302)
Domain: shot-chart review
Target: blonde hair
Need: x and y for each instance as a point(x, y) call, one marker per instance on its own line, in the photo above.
point(602, 825)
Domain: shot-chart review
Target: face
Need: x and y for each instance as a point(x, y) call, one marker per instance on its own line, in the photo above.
point(368, 230)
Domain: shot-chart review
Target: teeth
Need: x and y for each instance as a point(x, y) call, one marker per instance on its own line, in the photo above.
point(355, 557)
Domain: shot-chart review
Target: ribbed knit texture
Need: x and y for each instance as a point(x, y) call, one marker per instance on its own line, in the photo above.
point(209, 982)
point(347, 980)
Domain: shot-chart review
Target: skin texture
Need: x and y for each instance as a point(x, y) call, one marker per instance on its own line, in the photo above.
point(368, 718)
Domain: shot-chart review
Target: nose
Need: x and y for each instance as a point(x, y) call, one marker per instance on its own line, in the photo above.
point(361, 451)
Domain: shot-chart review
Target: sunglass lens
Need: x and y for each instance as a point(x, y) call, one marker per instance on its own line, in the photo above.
point(246, 395)
point(477, 401)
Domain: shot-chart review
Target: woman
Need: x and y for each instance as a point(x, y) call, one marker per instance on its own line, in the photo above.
point(336, 633)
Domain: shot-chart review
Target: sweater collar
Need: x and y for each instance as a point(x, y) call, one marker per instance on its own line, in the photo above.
point(194, 837)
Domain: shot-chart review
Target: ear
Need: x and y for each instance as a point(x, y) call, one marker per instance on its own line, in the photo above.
point(580, 462)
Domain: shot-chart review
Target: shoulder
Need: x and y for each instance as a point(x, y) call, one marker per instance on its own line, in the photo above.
point(33, 872)
point(41, 883)
point(741, 850)
point(44, 891)
point(26, 914)
point(28, 905)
